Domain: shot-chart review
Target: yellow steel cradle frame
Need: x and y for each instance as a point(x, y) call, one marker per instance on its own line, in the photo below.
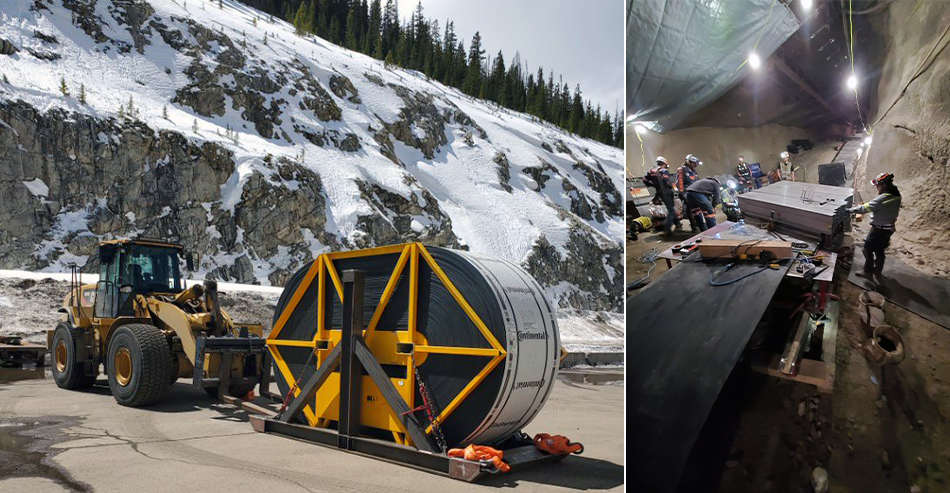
point(375, 412)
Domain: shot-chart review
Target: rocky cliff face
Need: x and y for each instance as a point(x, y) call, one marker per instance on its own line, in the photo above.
point(259, 150)
point(910, 120)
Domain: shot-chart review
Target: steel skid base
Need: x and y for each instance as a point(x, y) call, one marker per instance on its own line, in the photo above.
point(465, 470)
point(352, 357)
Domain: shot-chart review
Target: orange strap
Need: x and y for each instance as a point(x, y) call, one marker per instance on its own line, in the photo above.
point(482, 453)
point(557, 444)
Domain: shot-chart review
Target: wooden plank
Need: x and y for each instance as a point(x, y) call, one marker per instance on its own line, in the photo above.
point(829, 345)
point(249, 406)
point(821, 374)
point(810, 372)
point(793, 350)
point(714, 248)
point(705, 235)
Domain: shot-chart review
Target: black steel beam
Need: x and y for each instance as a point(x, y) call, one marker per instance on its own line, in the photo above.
point(396, 402)
point(392, 452)
point(351, 370)
point(309, 389)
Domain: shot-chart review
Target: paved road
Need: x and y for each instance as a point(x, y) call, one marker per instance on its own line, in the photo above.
point(191, 443)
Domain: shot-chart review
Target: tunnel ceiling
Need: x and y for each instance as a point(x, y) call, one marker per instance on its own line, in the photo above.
point(802, 82)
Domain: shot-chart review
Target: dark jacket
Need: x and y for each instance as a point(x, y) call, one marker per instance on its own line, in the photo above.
point(685, 177)
point(707, 187)
point(659, 178)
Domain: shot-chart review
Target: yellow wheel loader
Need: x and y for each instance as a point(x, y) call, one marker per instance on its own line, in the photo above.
point(147, 329)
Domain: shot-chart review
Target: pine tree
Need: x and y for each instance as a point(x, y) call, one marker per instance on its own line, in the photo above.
point(577, 111)
point(371, 43)
point(497, 81)
point(132, 112)
point(254, 21)
point(351, 28)
point(122, 112)
point(165, 111)
point(473, 78)
point(5, 79)
point(220, 5)
point(448, 54)
point(374, 28)
point(62, 87)
point(82, 94)
point(334, 32)
point(301, 21)
point(194, 125)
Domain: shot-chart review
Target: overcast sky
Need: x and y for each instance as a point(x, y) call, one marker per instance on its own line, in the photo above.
point(582, 40)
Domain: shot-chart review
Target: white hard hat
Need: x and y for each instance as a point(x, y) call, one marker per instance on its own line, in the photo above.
point(661, 159)
point(785, 155)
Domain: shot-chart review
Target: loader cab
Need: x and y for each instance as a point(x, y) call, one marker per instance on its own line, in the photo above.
point(128, 268)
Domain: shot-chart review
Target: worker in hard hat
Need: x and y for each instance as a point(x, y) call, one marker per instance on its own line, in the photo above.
point(685, 176)
point(745, 175)
point(702, 198)
point(786, 167)
point(659, 178)
point(884, 210)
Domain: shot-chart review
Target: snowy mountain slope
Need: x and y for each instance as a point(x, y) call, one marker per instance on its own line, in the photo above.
point(261, 149)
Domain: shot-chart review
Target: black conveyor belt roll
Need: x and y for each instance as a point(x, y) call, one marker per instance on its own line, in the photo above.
point(506, 299)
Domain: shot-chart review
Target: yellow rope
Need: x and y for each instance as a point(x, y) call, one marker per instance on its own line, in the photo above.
point(857, 101)
point(643, 156)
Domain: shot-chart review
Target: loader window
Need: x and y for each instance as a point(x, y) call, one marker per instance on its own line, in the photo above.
point(107, 293)
point(152, 269)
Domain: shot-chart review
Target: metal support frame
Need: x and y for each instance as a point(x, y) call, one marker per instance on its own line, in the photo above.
point(353, 357)
point(411, 257)
point(787, 67)
point(519, 457)
point(227, 347)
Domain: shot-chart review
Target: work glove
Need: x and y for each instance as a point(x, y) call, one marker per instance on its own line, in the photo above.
point(856, 208)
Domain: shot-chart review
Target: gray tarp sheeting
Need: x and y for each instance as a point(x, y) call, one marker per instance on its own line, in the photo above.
point(684, 54)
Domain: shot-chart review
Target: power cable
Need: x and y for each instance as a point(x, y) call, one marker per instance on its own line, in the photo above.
point(768, 265)
point(850, 39)
point(756, 45)
point(646, 258)
point(928, 61)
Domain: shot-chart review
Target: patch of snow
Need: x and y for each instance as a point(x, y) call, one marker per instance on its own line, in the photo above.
point(37, 187)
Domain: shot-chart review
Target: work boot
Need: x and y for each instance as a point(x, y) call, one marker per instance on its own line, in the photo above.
point(679, 226)
point(696, 230)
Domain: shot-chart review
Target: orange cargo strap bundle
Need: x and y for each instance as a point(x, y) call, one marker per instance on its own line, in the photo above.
point(557, 444)
point(483, 454)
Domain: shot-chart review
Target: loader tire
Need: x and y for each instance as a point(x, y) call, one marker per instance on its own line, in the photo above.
point(68, 373)
point(139, 361)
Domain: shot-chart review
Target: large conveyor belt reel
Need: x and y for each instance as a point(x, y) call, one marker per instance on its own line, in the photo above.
point(354, 332)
